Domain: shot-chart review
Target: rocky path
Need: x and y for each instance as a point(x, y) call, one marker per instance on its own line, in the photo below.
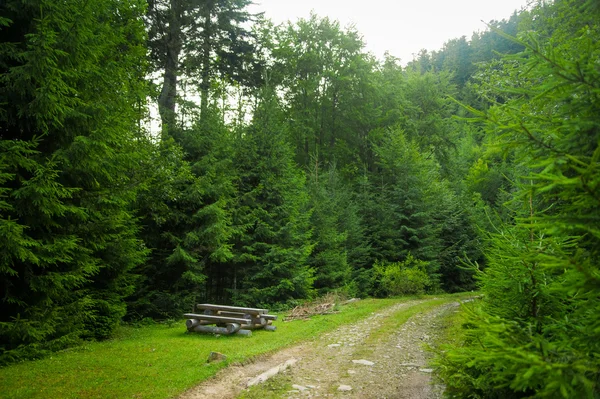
point(346, 363)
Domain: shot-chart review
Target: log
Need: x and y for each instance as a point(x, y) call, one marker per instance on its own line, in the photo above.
point(252, 311)
point(191, 323)
point(232, 327)
point(221, 330)
point(267, 326)
point(257, 327)
point(216, 319)
point(211, 329)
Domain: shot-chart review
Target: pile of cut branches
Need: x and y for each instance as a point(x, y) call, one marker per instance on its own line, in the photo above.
point(320, 306)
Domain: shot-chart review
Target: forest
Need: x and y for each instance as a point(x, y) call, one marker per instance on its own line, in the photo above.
point(289, 162)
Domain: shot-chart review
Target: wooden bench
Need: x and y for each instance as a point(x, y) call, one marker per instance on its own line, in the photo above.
point(229, 319)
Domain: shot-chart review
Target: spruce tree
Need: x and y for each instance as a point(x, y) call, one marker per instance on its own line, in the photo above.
point(187, 221)
point(536, 332)
point(272, 208)
point(72, 85)
point(329, 203)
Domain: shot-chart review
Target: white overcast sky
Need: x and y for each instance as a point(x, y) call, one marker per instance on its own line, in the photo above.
point(402, 27)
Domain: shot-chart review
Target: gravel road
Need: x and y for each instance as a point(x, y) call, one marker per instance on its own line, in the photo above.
point(345, 363)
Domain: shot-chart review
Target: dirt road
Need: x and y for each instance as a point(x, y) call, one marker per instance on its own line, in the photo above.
point(349, 362)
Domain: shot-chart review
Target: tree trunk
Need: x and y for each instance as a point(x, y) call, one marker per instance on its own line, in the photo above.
point(205, 67)
point(168, 93)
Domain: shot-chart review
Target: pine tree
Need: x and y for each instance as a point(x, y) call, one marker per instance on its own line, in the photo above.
point(72, 85)
point(536, 332)
point(273, 211)
point(329, 258)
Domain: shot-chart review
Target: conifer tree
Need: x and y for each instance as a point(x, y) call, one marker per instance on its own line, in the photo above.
point(273, 210)
point(72, 84)
point(187, 219)
point(329, 202)
point(536, 332)
point(406, 190)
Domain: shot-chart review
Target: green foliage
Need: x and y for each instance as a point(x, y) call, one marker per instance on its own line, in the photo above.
point(72, 87)
point(199, 42)
point(326, 80)
point(329, 257)
point(187, 222)
point(403, 218)
point(401, 278)
point(536, 333)
point(218, 208)
point(271, 253)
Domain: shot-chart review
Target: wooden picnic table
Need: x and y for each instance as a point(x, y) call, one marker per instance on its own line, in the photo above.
point(229, 319)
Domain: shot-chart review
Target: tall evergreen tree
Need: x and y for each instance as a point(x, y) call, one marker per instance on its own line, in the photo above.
point(72, 84)
point(187, 221)
point(199, 40)
point(329, 202)
point(406, 188)
point(273, 210)
point(536, 333)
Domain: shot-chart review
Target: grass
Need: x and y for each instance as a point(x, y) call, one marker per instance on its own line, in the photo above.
point(160, 361)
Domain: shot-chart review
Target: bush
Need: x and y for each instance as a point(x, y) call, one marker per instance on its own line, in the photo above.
point(401, 278)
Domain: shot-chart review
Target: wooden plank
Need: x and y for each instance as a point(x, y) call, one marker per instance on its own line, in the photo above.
point(246, 315)
point(256, 319)
point(234, 314)
point(217, 319)
point(252, 311)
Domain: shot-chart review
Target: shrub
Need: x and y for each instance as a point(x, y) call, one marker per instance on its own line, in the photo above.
point(401, 278)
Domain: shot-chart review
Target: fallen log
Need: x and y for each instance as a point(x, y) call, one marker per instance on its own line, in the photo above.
point(222, 330)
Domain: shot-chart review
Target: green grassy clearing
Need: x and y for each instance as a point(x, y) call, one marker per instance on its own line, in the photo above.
point(161, 361)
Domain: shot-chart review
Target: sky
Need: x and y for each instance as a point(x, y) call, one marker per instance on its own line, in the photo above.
point(402, 27)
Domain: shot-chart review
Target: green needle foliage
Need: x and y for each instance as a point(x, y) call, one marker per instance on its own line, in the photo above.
point(537, 331)
point(290, 162)
point(71, 85)
point(272, 252)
